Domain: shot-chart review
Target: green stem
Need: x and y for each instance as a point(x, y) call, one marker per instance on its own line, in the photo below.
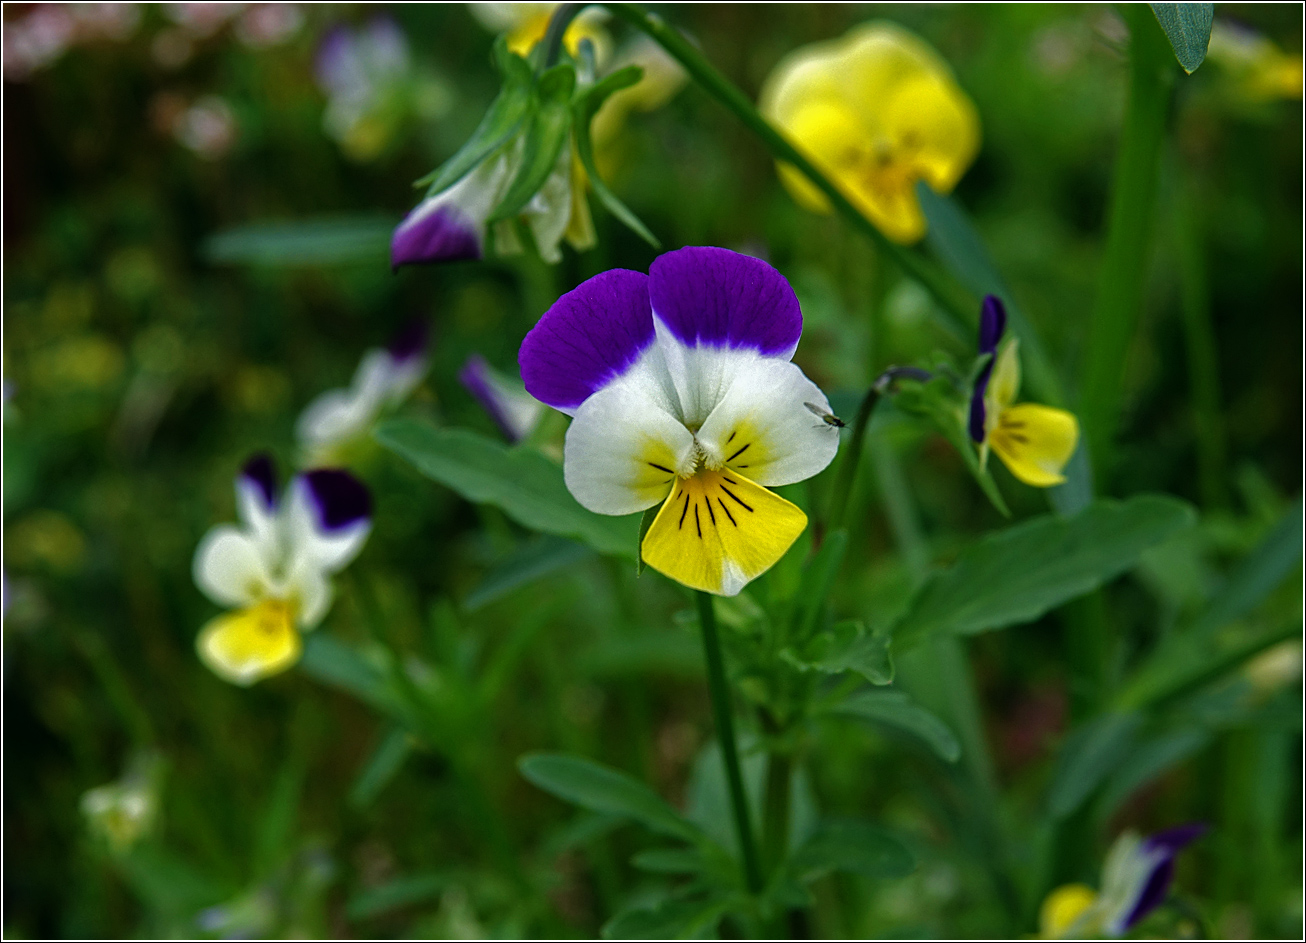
point(558, 23)
point(1122, 278)
point(725, 731)
point(950, 294)
point(775, 810)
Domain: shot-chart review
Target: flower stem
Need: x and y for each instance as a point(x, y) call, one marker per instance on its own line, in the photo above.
point(946, 290)
point(725, 731)
point(558, 23)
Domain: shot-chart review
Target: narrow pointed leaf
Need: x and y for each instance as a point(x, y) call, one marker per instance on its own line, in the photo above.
point(1188, 27)
point(855, 847)
point(546, 134)
point(895, 709)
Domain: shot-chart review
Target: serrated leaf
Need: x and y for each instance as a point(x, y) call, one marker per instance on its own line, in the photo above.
point(853, 846)
point(1188, 27)
point(846, 646)
point(1015, 575)
point(546, 133)
point(584, 109)
point(523, 483)
point(895, 709)
point(1090, 754)
point(937, 402)
point(601, 788)
point(502, 120)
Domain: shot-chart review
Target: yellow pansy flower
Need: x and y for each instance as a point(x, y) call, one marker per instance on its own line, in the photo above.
point(1258, 68)
point(525, 24)
point(1035, 442)
point(876, 110)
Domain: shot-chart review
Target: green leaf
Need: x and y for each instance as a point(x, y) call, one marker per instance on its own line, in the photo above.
point(338, 665)
point(645, 522)
point(393, 894)
point(600, 788)
point(585, 107)
point(323, 240)
point(670, 861)
point(1015, 575)
point(895, 709)
point(680, 918)
point(385, 762)
point(818, 577)
point(501, 122)
point(277, 827)
point(955, 241)
point(853, 846)
point(937, 401)
point(1149, 759)
point(1188, 27)
point(546, 133)
point(846, 646)
point(523, 483)
point(531, 561)
point(1090, 754)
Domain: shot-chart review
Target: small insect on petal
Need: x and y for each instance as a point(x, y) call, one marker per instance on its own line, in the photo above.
point(827, 417)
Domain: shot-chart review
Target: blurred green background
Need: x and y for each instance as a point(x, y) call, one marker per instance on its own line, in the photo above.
point(141, 369)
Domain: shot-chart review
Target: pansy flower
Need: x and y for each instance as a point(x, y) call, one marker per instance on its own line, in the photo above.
point(513, 410)
point(525, 24)
point(384, 378)
point(1035, 442)
point(274, 569)
point(683, 394)
point(1135, 880)
point(876, 111)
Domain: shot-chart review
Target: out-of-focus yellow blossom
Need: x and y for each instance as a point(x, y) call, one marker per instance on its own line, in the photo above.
point(1062, 908)
point(1033, 441)
point(525, 24)
point(663, 78)
point(1259, 69)
point(876, 110)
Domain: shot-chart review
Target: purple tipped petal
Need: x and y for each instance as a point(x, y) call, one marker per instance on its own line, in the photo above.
point(1163, 846)
point(338, 498)
point(410, 342)
point(590, 336)
point(336, 66)
point(261, 473)
point(993, 321)
point(978, 413)
point(476, 378)
point(712, 296)
point(434, 232)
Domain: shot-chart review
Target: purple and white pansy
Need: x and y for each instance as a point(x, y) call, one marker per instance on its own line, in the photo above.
point(274, 568)
point(513, 410)
point(683, 394)
point(1137, 874)
point(384, 379)
point(453, 224)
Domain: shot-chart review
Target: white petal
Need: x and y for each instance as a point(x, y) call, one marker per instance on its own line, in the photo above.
point(625, 447)
point(549, 211)
point(309, 586)
point(230, 567)
point(335, 416)
point(260, 520)
point(763, 428)
point(700, 375)
point(313, 545)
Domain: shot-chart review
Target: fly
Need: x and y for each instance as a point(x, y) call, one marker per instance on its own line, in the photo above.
point(827, 417)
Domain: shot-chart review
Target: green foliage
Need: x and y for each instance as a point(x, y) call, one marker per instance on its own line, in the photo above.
point(1188, 27)
point(526, 485)
point(897, 710)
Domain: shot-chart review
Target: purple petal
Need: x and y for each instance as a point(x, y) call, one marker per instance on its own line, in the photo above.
point(338, 498)
point(476, 378)
point(410, 342)
point(261, 473)
point(434, 233)
point(1164, 846)
point(590, 336)
point(335, 66)
point(706, 295)
point(977, 408)
point(993, 321)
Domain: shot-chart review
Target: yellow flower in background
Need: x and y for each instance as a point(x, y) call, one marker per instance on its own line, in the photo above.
point(876, 110)
point(1259, 69)
point(525, 24)
point(1033, 441)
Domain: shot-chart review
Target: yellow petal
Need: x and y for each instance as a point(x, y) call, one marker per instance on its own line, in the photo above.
point(1035, 442)
point(1004, 383)
point(718, 530)
point(580, 224)
point(876, 110)
point(252, 644)
point(1062, 908)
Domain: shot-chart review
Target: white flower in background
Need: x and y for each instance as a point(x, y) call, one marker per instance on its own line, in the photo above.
point(124, 811)
point(269, 24)
point(513, 410)
point(384, 379)
point(274, 568)
point(208, 128)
